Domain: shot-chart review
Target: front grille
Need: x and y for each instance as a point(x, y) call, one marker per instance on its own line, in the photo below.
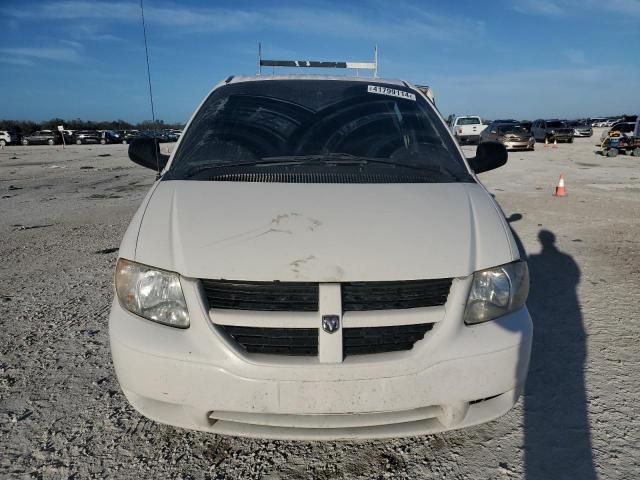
point(262, 296)
point(367, 340)
point(361, 296)
point(275, 341)
point(304, 341)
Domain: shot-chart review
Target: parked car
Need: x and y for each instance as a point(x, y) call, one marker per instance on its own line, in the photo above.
point(111, 136)
point(551, 130)
point(126, 136)
point(318, 260)
point(580, 129)
point(526, 125)
point(41, 137)
point(88, 136)
point(511, 135)
point(597, 122)
point(621, 128)
point(467, 129)
point(6, 138)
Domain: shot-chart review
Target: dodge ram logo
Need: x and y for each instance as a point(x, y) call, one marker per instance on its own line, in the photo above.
point(330, 323)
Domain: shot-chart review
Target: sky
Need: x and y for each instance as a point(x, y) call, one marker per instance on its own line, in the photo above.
point(521, 59)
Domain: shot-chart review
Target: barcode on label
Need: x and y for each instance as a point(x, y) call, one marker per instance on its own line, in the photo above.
point(392, 92)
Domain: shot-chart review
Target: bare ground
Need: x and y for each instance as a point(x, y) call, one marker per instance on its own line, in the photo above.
point(62, 414)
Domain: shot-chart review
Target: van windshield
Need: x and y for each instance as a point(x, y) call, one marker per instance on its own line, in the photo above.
point(298, 126)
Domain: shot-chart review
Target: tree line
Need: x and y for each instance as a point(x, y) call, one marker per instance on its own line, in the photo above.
point(25, 127)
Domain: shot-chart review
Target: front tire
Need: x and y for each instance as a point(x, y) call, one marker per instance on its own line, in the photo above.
point(3, 143)
point(25, 142)
point(636, 152)
point(50, 142)
point(570, 140)
point(78, 142)
point(124, 142)
point(612, 152)
point(103, 141)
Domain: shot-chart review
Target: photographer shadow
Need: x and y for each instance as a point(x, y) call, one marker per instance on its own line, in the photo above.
point(557, 435)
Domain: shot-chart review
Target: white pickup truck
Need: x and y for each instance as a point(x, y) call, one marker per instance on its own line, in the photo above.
point(467, 129)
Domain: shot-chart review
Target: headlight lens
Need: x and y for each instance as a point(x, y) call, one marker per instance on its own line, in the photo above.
point(496, 292)
point(151, 293)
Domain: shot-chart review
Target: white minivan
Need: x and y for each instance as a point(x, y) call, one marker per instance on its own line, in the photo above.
point(318, 260)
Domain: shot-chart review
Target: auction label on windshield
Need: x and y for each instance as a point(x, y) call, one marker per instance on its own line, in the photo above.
point(392, 92)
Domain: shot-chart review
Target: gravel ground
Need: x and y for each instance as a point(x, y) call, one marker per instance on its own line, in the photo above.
point(62, 414)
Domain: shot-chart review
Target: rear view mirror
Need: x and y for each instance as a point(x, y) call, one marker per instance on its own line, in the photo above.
point(146, 152)
point(489, 155)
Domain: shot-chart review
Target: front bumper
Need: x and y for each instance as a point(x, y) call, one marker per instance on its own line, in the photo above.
point(582, 133)
point(456, 377)
point(528, 145)
point(468, 138)
point(561, 137)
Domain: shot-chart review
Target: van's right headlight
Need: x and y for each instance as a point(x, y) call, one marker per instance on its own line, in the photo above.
point(151, 293)
point(496, 292)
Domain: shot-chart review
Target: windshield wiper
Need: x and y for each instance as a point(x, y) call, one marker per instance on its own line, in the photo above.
point(338, 159)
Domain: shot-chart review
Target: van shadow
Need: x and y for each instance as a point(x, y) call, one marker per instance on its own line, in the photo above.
point(557, 436)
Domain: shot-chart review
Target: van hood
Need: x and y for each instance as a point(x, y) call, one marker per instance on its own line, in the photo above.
point(322, 232)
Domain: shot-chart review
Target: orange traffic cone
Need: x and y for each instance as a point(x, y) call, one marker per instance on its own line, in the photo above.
point(546, 142)
point(555, 144)
point(560, 190)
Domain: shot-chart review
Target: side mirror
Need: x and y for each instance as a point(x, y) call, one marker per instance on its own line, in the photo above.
point(489, 155)
point(146, 152)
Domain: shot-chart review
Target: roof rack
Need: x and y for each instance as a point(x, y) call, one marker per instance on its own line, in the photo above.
point(317, 64)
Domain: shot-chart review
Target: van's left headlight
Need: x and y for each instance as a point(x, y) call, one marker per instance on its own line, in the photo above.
point(151, 293)
point(496, 292)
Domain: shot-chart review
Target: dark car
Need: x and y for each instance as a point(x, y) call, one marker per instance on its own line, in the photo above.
point(526, 124)
point(126, 136)
point(551, 130)
point(159, 135)
point(88, 136)
point(111, 136)
point(9, 138)
point(41, 137)
point(511, 135)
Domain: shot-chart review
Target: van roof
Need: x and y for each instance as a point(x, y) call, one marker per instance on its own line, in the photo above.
point(344, 78)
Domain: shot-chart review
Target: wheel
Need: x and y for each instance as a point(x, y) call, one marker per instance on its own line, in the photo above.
point(3, 143)
point(636, 152)
point(612, 152)
point(50, 142)
point(102, 141)
point(124, 142)
point(25, 142)
point(570, 140)
point(78, 142)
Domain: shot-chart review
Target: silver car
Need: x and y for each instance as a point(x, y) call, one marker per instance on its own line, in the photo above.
point(511, 135)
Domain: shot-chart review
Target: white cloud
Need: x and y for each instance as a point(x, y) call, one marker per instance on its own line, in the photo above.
point(16, 61)
point(536, 92)
point(348, 22)
point(20, 54)
point(538, 7)
point(72, 44)
point(559, 8)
